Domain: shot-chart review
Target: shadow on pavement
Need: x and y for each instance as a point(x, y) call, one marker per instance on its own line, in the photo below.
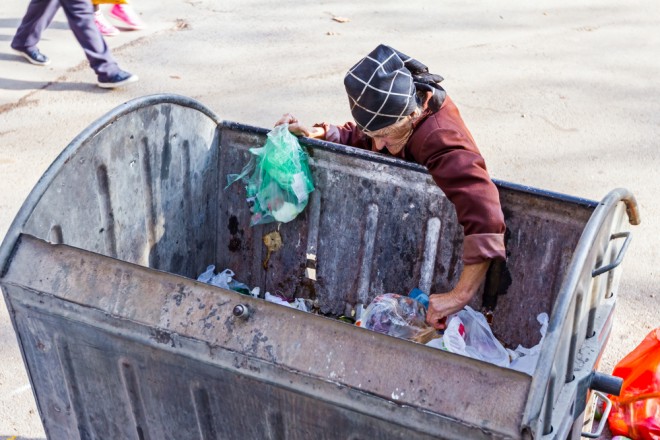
point(18, 437)
point(11, 57)
point(19, 84)
point(10, 22)
point(58, 86)
point(14, 22)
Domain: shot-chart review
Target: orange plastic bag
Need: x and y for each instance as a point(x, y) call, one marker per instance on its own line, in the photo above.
point(636, 412)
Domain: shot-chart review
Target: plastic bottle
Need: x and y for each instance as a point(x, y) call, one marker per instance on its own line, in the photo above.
point(419, 296)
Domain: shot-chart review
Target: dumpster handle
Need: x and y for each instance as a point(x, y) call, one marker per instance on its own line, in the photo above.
point(606, 383)
point(619, 258)
point(603, 418)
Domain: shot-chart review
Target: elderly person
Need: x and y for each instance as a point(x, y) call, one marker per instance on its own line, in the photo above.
point(399, 109)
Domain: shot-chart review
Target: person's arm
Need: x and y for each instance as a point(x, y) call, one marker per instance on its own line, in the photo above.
point(442, 305)
point(462, 176)
point(445, 146)
point(295, 127)
point(347, 134)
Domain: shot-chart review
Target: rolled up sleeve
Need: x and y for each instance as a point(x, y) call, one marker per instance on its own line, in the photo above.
point(460, 171)
point(347, 134)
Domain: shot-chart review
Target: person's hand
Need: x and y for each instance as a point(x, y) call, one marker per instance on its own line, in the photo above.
point(299, 129)
point(441, 305)
point(444, 304)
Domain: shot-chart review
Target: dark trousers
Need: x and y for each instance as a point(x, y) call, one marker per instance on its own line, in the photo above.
point(80, 15)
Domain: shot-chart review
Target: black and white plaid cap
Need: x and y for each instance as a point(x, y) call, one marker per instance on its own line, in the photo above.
point(380, 89)
point(383, 86)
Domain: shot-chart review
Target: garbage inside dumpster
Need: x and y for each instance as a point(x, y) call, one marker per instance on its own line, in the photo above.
point(467, 333)
point(525, 359)
point(476, 340)
point(396, 315)
point(226, 280)
point(296, 303)
point(279, 179)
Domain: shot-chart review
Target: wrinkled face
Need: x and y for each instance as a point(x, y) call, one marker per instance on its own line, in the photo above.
point(394, 137)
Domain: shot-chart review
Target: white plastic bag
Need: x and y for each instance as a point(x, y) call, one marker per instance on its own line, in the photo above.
point(225, 280)
point(525, 359)
point(298, 303)
point(220, 280)
point(469, 334)
point(437, 343)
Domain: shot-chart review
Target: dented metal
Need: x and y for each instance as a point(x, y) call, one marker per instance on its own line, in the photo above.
point(98, 271)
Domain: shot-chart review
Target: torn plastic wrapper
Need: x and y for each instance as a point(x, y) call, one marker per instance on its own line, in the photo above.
point(225, 280)
point(525, 359)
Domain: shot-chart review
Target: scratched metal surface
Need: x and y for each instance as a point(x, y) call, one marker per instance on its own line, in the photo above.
point(142, 189)
point(145, 187)
point(384, 227)
point(116, 350)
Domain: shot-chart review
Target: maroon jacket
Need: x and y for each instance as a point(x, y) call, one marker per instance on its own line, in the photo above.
point(442, 143)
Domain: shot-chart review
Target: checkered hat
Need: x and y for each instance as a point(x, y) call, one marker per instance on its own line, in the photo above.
point(382, 87)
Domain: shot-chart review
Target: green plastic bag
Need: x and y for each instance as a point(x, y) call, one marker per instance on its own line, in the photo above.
point(279, 181)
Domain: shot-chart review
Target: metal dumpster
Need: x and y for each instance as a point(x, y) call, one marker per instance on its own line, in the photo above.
point(98, 271)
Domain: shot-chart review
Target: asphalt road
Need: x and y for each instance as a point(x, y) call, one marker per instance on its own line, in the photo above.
point(559, 95)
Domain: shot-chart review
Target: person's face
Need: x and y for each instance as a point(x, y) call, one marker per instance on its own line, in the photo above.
point(393, 138)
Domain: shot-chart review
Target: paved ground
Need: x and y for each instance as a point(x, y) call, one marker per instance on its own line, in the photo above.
point(559, 95)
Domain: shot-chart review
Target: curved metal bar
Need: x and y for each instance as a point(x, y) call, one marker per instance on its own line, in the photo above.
point(619, 258)
point(603, 419)
point(44, 182)
point(562, 306)
point(632, 208)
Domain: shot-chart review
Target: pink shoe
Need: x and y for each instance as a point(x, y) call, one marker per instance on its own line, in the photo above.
point(106, 28)
point(128, 16)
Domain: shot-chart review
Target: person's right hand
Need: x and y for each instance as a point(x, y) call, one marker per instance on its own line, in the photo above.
point(297, 128)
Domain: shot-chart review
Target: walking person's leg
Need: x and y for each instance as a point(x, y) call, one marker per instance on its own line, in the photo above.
point(39, 15)
point(107, 29)
point(80, 14)
point(125, 13)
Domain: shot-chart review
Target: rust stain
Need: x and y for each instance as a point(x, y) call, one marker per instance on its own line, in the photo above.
point(273, 243)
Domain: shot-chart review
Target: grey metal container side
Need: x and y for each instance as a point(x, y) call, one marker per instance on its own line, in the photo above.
point(119, 341)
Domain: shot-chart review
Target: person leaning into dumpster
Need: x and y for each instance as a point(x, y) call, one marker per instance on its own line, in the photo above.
point(399, 109)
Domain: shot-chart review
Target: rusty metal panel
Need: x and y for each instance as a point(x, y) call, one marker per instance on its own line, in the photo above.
point(169, 347)
point(541, 236)
point(367, 224)
point(383, 226)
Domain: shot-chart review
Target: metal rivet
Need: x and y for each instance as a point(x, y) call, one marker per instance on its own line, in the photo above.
point(241, 311)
